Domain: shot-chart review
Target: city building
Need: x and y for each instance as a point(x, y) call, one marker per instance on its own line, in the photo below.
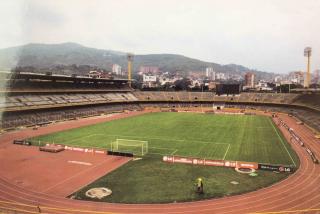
point(210, 73)
point(220, 76)
point(212, 85)
point(297, 77)
point(249, 80)
point(263, 86)
point(278, 79)
point(196, 74)
point(94, 74)
point(116, 69)
point(148, 70)
point(168, 79)
point(196, 83)
point(316, 75)
point(149, 81)
point(235, 77)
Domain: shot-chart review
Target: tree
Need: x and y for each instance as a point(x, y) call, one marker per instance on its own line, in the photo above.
point(182, 84)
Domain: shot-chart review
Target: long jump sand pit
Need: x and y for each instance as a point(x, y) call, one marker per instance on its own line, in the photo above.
point(58, 174)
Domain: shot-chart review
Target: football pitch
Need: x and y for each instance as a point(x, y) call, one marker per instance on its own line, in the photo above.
point(229, 137)
point(150, 180)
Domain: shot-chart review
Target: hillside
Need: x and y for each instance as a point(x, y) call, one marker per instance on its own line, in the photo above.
point(49, 55)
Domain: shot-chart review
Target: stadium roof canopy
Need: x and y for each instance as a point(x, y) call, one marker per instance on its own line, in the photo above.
point(306, 90)
point(56, 77)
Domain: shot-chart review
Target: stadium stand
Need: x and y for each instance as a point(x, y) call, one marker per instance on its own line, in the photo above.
point(310, 100)
point(25, 102)
point(42, 117)
point(30, 100)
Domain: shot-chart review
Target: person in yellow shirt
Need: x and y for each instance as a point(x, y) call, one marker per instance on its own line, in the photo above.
point(199, 184)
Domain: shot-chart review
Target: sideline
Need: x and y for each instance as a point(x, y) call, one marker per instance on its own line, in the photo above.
point(282, 142)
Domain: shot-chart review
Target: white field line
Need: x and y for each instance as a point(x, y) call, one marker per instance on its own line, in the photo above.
point(163, 148)
point(140, 141)
point(274, 128)
point(225, 154)
point(156, 153)
point(82, 137)
point(199, 151)
point(148, 138)
point(174, 152)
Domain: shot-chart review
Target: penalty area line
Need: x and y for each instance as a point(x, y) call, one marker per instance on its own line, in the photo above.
point(225, 154)
point(162, 148)
point(174, 152)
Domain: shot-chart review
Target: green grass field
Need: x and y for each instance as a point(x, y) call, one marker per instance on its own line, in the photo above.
point(245, 138)
point(229, 137)
point(152, 181)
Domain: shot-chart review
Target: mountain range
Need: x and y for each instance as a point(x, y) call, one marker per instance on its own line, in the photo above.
point(46, 56)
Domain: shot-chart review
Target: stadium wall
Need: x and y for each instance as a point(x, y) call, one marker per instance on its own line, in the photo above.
point(18, 116)
point(40, 117)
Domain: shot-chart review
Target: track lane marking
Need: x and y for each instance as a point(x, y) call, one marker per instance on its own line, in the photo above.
point(287, 211)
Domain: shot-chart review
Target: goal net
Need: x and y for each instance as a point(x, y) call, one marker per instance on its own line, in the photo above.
point(137, 147)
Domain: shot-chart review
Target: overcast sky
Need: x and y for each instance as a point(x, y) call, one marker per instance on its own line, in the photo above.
point(266, 35)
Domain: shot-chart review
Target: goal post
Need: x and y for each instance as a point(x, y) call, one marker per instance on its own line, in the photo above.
point(137, 147)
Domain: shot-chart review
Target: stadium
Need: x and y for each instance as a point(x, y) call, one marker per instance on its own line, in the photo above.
point(74, 140)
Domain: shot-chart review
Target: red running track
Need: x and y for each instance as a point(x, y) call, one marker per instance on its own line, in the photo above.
point(301, 191)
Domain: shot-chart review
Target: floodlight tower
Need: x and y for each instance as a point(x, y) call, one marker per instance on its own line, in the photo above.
point(307, 53)
point(130, 59)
